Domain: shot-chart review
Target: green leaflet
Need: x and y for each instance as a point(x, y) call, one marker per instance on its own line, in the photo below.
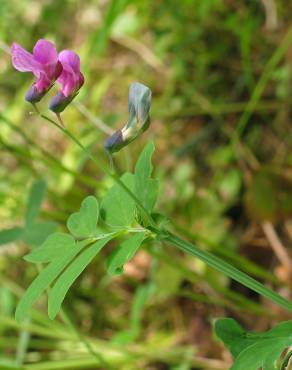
point(55, 245)
point(144, 168)
point(82, 224)
point(34, 202)
point(261, 354)
point(232, 335)
point(67, 278)
point(44, 279)
point(117, 207)
point(146, 188)
point(124, 253)
point(251, 350)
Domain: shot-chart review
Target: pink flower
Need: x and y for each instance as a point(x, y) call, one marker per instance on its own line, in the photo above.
point(43, 63)
point(71, 80)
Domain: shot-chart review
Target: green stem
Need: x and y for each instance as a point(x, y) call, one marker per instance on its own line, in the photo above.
point(227, 269)
point(221, 250)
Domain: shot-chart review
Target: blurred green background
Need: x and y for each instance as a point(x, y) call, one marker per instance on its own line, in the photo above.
point(220, 72)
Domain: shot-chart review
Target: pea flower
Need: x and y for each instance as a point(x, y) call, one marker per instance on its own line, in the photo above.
point(138, 121)
point(71, 80)
point(43, 63)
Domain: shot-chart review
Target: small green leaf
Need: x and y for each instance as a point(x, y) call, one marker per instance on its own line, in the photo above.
point(144, 167)
point(117, 207)
point(283, 329)
point(82, 224)
point(44, 279)
point(261, 352)
point(64, 282)
point(146, 188)
point(124, 253)
point(232, 335)
point(55, 245)
point(10, 235)
point(36, 234)
point(252, 350)
point(35, 199)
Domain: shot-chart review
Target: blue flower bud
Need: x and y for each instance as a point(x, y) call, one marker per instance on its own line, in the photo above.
point(34, 95)
point(138, 121)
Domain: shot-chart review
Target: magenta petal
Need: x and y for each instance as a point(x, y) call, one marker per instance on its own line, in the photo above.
point(71, 78)
point(24, 61)
point(69, 58)
point(45, 52)
point(43, 83)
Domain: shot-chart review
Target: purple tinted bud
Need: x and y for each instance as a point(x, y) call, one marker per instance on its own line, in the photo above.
point(71, 80)
point(34, 95)
point(59, 102)
point(138, 121)
point(115, 142)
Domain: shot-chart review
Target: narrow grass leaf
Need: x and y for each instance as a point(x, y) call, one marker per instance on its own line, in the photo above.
point(142, 294)
point(10, 235)
point(35, 199)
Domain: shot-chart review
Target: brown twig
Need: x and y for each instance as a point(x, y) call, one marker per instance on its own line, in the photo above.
point(276, 244)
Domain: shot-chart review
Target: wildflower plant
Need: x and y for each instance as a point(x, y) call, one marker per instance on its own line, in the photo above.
point(125, 216)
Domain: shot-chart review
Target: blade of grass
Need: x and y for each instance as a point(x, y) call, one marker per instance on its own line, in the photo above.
point(261, 85)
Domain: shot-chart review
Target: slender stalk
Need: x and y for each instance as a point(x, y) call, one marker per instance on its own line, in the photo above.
point(249, 266)
point(224, 267)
